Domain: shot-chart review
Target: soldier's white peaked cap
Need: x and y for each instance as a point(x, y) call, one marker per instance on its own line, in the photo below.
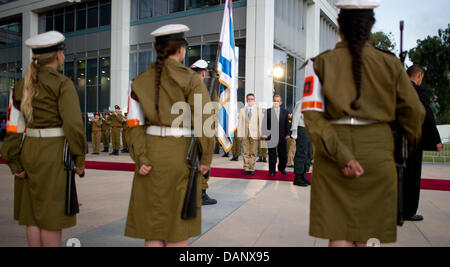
point(46, 42)
point(170, 32)
point(200, 64)
point(357, 4)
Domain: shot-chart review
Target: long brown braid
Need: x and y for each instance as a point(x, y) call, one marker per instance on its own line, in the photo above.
point(356, 26)
point(164, 50)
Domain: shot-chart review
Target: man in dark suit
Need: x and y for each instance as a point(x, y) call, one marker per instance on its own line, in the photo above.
point(276, 131)
point(431, 141)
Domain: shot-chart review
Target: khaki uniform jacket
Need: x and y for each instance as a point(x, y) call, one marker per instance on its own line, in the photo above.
point(177, 76)
point(106, 125)
point(56, 106)
point(96, 125)
point(386, 93)
point(116, 120)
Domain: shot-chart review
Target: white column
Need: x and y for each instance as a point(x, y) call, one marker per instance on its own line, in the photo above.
point(313, 30)
point(259, 53)
point(120, 52)
point(30, 22)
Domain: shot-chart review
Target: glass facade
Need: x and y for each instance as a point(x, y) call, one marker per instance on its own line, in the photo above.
point(142, 9)
point(288, 79)
point(10, 73)
point(92, 81)
point(77, 17)
point(11, 32)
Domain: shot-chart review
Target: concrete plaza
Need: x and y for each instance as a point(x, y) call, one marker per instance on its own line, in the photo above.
point(250, 213)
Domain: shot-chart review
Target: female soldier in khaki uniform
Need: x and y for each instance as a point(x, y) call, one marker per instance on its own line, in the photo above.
point(52, 113)
point(354, 184)
point(96, 125)
point(162, 175)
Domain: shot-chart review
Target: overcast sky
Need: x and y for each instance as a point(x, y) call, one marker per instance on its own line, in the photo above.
point(422, 18)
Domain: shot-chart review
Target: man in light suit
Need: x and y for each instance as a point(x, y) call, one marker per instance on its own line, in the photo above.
point(250, 120)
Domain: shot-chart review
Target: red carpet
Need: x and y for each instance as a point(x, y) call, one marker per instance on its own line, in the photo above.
point(427, 184)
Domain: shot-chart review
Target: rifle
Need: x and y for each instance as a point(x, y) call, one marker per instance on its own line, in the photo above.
point(72, 206)
point(401, 144)
point(190, 201)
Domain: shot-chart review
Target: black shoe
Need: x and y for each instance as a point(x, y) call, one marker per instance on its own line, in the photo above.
point(246, 173)
point(115, 153)
point(415, 218)
point(264, 160)
point(283, 172)
point(259, 159)
point(226, 155)
point(235, 158)
point(125, 150)
point(251, 173)
point(95, 153)
point(300, 180)
point(106, 150)
point(206, 200)
point(272, 174)
point(305, 179)
point(290, 166)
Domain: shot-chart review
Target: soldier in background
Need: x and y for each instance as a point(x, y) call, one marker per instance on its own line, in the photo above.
point(200, 67)
point(236, 149)
point(124, 132)
point(116, 120)
point(96, 124)
point(106, 132)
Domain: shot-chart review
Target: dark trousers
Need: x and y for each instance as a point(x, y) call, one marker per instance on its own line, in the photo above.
point(303, 157)
point(412, 183)
point(282, 156)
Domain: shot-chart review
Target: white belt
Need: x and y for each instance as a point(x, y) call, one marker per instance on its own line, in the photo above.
point(353, 121)
point(45, 133)
point(167, 131)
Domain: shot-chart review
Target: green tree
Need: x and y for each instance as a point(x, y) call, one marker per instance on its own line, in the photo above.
point(433, 54)
point(383, 41)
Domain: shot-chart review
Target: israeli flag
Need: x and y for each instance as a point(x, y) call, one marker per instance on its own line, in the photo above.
point(227, 67)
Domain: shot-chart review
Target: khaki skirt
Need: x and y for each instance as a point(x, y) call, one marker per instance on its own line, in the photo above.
point(157, 199)
point(351, 209)
point(39, 200)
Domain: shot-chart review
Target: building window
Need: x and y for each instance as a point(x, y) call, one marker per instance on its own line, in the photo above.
point(142, 9)
point(285, 80)
point(69, 19)
point(145, 8)
point(105, 12)
point(176, 6)
point(92, 13)
point(81, 17)
point(11, 32)
point(104, 86)
point(77, 17)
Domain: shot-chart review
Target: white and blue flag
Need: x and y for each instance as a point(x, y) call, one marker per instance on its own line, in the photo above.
point(227, 67)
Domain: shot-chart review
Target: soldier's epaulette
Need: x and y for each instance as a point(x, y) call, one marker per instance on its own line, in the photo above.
point(386, 51)
point(313, 59)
